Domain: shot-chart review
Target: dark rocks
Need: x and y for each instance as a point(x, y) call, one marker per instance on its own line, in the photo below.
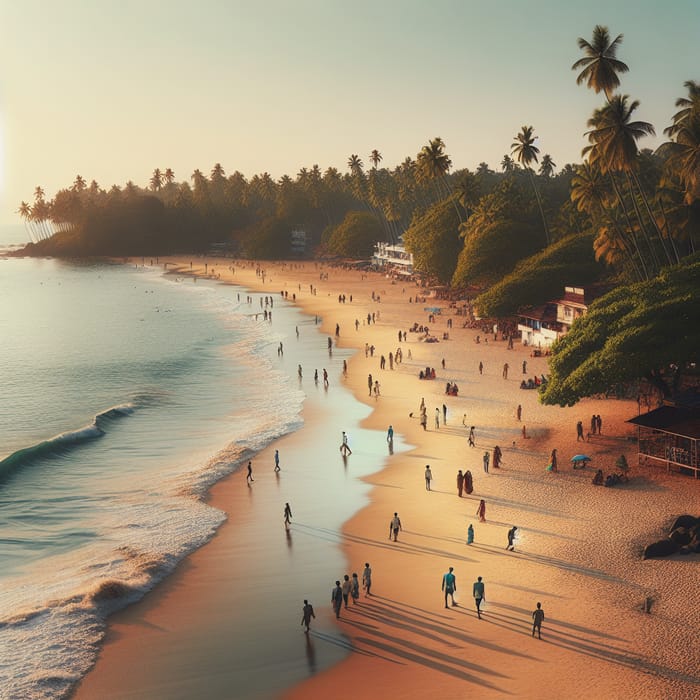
point(662, 548)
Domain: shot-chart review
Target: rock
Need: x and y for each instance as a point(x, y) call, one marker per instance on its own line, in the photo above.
point(685, 521)
point(681, 536)
point(662, 548)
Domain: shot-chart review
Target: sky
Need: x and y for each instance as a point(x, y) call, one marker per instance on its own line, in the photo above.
point(113, 89)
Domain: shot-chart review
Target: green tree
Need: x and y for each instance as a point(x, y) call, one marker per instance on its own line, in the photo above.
point(600, 65)
point(434, 240)
point(356, 235)
point(547, 166)
point(375, 157)
point(647, 329)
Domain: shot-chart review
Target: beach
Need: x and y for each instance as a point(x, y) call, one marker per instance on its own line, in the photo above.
point(577, 550)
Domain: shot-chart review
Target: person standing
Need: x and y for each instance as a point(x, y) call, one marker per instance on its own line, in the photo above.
point(470, 534)
point(481, 511)
point(481, 367)
point(346, 588)
point(479, 595)
point(307, 614)
point(437, 419)
point(579, 431)
point(524, 366)
point(537, 618)
point(395, 526)
point(277, 460)
point(497, 456)
point(449, 586)
point(287, 516)
point(511, 538)
point(599, 424)
point(519, 411)
point(594, 424)
point(424, 418)
point(390, 434)
point(486, 462)
point(505, 371)
point(553, 461)
point(355, 589)
point(468, 482)
point(428, 477)
point(444, 414)
point(249, 475)
point(460, 483)
point(337, 599)
point(370, 383)
point(367, 579)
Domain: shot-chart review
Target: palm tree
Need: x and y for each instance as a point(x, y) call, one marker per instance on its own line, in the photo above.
point(156, 181)
point(613, 148)
point(217, 173)
point(508, 164)
point(684, 156)
point(79, 184)
point(375, 157)
point(600, 66)
point(355, 164)
point(25, 211)
point(524, 149)
point(690, 108)
point(483, 168)
point(169, 176)
point(547, 166)
point(38, 194)
point(432, 165)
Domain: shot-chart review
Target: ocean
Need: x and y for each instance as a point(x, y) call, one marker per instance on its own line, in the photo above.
point(126, 394)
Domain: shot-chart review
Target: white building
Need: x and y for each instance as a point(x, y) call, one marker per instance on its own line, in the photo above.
point(298, 242)
point(393, 258)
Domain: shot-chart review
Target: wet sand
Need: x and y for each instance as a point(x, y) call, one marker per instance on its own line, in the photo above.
point(578, 549)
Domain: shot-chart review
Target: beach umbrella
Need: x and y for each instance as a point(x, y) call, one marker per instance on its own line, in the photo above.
point(580, 458)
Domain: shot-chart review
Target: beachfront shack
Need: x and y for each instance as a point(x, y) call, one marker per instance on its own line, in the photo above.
point(541, 326)
point(669, 435)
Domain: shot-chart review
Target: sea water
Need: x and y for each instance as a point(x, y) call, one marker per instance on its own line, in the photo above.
point(124, 395)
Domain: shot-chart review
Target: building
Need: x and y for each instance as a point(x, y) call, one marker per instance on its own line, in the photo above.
point(393, 258)
point(298, 242)
point(670, 435)
point(541, 326)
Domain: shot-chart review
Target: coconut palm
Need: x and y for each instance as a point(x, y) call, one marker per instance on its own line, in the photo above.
point(25, 211)
point(375, 157)
point(690, 108)
point(79, 184)
point(524, 149)
point(600, 66)
point(355, 164)
point(169, 175)
point(156, 181)
point(547, 166)
point(38, 194)
point(508, 164)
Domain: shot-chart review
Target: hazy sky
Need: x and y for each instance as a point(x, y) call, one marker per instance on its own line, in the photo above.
point(114, 89)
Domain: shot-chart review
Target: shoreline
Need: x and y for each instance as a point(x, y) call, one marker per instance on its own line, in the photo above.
point(574, 553)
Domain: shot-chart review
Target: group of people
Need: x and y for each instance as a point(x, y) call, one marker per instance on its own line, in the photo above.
point(428, 373)
point(452, 389)
point(533, 382)
point(348, 589)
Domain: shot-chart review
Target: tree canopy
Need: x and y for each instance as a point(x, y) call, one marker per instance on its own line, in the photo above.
point(647, 329)
point(356, 235)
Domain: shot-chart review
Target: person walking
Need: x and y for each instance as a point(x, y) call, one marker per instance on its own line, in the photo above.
point(306, 615)
point(497, 456)
point(428, 477)
point(505, 371)
point(367, 579)
point(346, 588)
point(390, 434)
point(344, 447)
point(337, 599)
point(470, 534)
point(460, 483)
point(537, 619)
point(579, 431)
point(444, 414)
point(472, 437)
point(519, 411)
point(553, 461)
point(424, 419)
point(249, 475)
point(395, 526)
point(599, 424)
point(370, 383)
point(479, 595)
point(468, 482)
point(277, 460)
point(287, 516)
point(355, 589)
point(481, 367)
point(481, 511)
point(511, 539)
point(486, 462)
point(437, 419)
point(449, 586)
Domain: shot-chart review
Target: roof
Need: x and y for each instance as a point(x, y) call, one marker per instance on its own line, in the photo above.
point(671, 419)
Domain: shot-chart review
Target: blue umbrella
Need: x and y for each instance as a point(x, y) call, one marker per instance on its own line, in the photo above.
point(580, 458)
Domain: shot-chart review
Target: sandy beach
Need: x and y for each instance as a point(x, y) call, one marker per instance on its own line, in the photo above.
point(577, 550)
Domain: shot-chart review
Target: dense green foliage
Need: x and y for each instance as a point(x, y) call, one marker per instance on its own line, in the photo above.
point(433, 238)
point(356, 235)
point(647, 329)
point(542, 277)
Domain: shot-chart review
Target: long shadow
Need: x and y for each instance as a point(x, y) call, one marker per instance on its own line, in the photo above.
point(397, 617)
point(428, 657)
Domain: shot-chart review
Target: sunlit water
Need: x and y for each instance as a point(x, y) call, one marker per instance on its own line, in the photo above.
point(124, 395)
